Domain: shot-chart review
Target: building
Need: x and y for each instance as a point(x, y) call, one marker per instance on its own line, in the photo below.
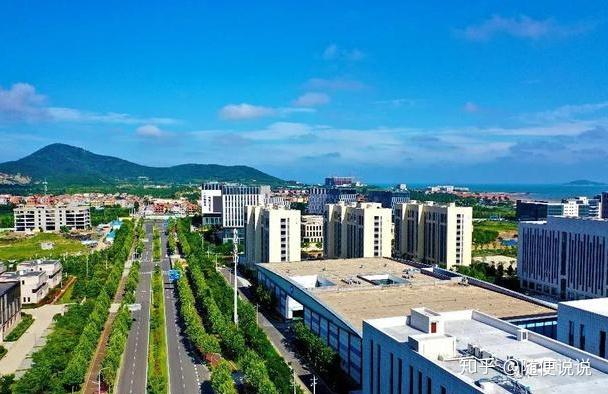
point(389, 198)
point(339, 181)
point(581, 207)
point(357, 230)
point(52, 268)
point(211, 203)
point(312, 230)
point(10, 307)
point(566, 258)
point(34, 284)
point(537, 210)
point(434, 234)
point(469, 351)
point(319, 197)
point(51, 217)
point(272, 234)
point(584, 324)
point(604, 205)
point(334, 297)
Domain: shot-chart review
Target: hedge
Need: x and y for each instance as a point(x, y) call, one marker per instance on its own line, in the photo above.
point(26, 321)
point(157, 354)
point(221, 379)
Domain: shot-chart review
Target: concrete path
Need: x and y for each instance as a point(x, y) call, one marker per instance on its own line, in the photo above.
point(20, 350)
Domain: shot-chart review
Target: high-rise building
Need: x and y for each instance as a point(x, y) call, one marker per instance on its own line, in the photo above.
point(211, 203)
point(434, 234)
point(312, 229)
point(52, 217)
point(538, 210)
point(583, 207)
point(389, 198)
point(604, 205)
point(319, 197)
point(272, 234)
point(584, 324)
point(566, 258)
point(357, 230)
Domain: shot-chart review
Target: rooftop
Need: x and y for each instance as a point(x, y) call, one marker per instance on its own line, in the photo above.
point(598, 306)
point(6, 286)
point(499, 341)
point(370, 288)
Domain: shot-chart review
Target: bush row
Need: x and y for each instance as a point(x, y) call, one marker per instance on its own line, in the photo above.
point(221, 378)
point(157, 354)
point(24, 324)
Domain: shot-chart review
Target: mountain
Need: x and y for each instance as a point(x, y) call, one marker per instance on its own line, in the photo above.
point(67, 165)
point(584, 182)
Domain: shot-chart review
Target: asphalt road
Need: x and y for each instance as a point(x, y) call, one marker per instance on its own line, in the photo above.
point(187, 374)
point(133, 375)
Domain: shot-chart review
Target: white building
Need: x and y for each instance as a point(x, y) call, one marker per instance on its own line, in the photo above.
point(471, 352)
point(272, 234)
point(211, 203)
point(34, 284)
point(52, 217)
point(434, 234)
point(357, 230)
point(584, 324)
point(582, 207)
point(312, 229)
point(52, 268)
point(566, 258)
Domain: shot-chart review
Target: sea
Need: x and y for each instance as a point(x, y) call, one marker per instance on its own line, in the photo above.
point(549, 192)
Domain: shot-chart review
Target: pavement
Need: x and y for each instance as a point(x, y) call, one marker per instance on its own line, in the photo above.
point(18, 357)
point(187, 373)
point(133, 378)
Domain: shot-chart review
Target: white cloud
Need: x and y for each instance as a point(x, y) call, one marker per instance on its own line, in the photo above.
point(246, 111)
point(521, 27)
point(470, 107)
point(400, 102)
point(334, 52)
point(150, 130)
point(311, 99)
point(334, 84)
point(570, 111)
point(23, 103)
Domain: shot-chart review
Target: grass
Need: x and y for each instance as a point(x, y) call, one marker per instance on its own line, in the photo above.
point(156, 241)
point(28, 247)
point(157, 355)
point(25, 323)
point(500, 226)
point(67, 295)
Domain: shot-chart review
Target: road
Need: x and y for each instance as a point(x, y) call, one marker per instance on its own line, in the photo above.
point(133, 377)
point(187, 374)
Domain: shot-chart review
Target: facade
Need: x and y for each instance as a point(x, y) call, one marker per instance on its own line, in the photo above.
point(335, 297)
point(317, 199)
point(10, 307)
point(272, 235)
point(537, 210)
point(389, 198)
point(34, 286)
point(339, 181)
point(468, 351)
point(357, 230)
point(211, 203)
point(604, 205)
point(434, 234)
point(566, 258)
point(584, 324)
point(582, 207)
point(312, 229)
point(53, 270)
point(51, 217)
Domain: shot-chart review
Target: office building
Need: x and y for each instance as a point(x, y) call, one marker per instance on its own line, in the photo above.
point(566, 258)
point(334, 297)
point(357, 230)
point(211, 204)
point(537, 210)
point(34, 284)
point(10, 307)
point(52, 268)
point(319, 197)
point(434, 234)
point(51, 218)
point(389, 198)
point(339, 181)
point(604, 205)
point(469, 351)
point(584, 325)
point(272, 234)
point(312, 229)
point(581, 207)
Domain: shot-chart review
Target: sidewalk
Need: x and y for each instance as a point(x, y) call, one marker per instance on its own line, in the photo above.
point(19, 352)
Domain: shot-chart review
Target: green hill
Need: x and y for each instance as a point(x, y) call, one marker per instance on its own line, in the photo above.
point(66, 165)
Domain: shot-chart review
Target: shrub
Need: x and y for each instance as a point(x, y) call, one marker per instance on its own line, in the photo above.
point(221, 379)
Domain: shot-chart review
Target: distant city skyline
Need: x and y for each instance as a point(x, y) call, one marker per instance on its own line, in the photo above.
point(476, 92)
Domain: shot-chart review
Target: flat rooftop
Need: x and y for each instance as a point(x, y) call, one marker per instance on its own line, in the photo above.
point(599, 306)
point(6, 286)
point(357, 299)
point(493, 337)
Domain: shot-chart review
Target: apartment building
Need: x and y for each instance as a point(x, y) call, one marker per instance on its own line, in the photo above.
point(51, 217)
point(272, 234)
point(584, 324)
point(34, 284)
point(53, 269)
point(566, 258)
point(312, 229)
point(357, 230)
point(10, 307)
point(434, 234)
point(468, 351)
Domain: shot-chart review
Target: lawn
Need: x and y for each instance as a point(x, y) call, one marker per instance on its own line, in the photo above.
point(500, 226)
point(28, 247)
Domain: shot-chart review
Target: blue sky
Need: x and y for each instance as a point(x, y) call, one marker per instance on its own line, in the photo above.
point(454, 92)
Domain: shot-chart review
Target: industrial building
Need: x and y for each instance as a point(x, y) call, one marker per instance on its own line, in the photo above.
point(469, 351)
point(272, 234)
point(334, 297)
point(357, 230)
point(584, 324)
point(51, 218)
point(566, 258)
point(434, 234)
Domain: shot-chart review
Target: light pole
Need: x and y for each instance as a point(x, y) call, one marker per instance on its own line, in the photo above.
point(314, 384)
point(235, 258)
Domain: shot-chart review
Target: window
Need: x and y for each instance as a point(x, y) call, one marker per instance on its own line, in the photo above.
point(582, 337)
point(602, 344)
point(429, 386)
point(391, 376)
point(399, 376)
point(419, 382)
point(411, 380)
point(570, 333)
point(371, 367)
point(443, 390)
